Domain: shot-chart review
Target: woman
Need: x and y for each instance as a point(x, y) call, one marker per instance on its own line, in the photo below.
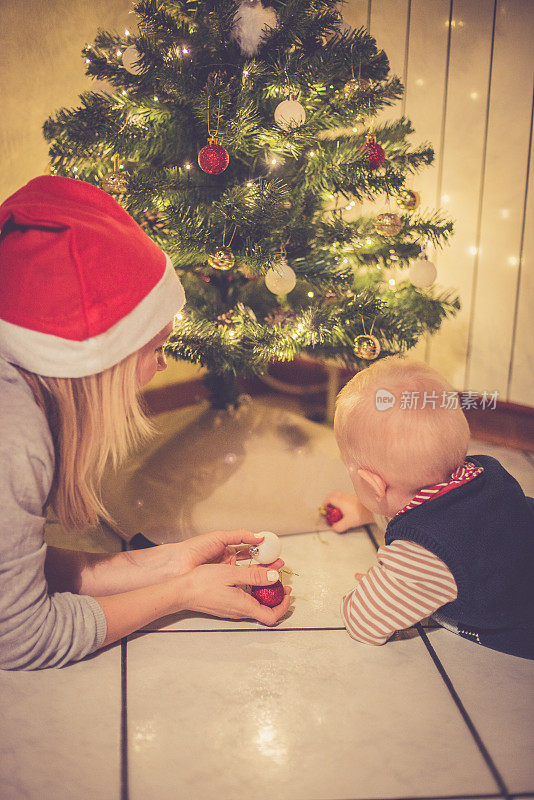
point(87, 301)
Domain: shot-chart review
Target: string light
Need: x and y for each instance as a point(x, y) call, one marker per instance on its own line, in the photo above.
point(127, 32)
point(249, 183)
point(231, 334)
point(310, 294)
point(185, 51)
point(187, 165)
point(392, 281)
point(179, 316)
point(124, 91)
point(87, 60)
point(368, 241)
point(155, 98)
point(119, 52)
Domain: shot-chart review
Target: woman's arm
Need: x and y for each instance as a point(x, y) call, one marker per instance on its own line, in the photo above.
point(99, 574)
point(102, 574)
point(211, 589)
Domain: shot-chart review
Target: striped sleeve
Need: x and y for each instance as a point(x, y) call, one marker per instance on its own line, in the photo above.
point(408, 583)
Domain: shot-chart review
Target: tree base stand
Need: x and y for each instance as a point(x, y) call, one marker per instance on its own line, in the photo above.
point(258, 467)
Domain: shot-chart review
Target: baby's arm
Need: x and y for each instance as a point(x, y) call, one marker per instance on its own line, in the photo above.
point(354, 513)
point(408, 583)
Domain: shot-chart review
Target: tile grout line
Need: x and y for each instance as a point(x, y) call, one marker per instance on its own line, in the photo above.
point(125, 794)
point(465, 716)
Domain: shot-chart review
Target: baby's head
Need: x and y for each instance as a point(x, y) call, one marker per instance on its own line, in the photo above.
point(394, 449)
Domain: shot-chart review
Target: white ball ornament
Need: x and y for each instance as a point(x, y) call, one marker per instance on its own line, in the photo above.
point(268, 550)
point(422, 272)
point(289, 113)
point(130, 60)
point(280, 279)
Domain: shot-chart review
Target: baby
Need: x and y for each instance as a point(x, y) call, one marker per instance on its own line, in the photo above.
point(459, 542)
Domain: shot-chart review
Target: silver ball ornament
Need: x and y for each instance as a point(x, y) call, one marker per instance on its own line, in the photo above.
point(130, 60)
point(422, 272)
point(280, 279)
point(289, 113)
point(268, 550)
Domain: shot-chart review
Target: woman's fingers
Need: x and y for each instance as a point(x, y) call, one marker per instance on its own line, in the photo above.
point(254, 575)
point(270, 616)
point(239, 536)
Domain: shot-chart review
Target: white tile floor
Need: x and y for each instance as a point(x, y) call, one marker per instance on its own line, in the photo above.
point(198, 708)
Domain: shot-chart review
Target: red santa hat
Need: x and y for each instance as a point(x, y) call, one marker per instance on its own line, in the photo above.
point(82, 286)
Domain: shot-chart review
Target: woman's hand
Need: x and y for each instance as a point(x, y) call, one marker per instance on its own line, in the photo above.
point(354, 513)
point(216, 589)
point(219, 547)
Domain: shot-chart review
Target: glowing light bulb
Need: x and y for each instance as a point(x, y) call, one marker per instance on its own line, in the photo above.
point(155, 98)
point(246, 73)
point(368, 241)
point(185, 51)
point(274, 161)
point(473, 250)
point(474, 95)
point(119, 52)
point(87, 60)
point(392, 281)
point(347, 208)
point(249, 183)
point(187, 165)
point(355, 130)
point(127, 32)
point(310, 294)
point(312, 153)
point(300, 326)
point(123, 91)
point(513, 261)
point(179, 316)
point(231, 334)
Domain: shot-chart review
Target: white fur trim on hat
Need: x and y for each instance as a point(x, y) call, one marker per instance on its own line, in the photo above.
point(52, 356)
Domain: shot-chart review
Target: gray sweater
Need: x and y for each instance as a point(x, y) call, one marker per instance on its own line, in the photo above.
point(36, 629)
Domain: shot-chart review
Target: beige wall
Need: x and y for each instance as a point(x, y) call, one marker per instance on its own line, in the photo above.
point(468, 70)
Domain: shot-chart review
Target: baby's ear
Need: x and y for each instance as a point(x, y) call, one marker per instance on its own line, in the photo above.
point(374, 482)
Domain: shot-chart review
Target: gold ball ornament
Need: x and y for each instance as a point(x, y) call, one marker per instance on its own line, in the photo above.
point(388, 224)
point(114, 183)
point(408, 200)
point(354, 86)
point(367, 347)
point(221, 258)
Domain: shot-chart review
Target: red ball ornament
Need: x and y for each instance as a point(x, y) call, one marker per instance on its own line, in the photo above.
point(332, 514)
point(375, 153)
point(213, 158)
point(269, 595)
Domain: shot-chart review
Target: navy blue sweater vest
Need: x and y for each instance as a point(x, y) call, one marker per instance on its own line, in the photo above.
point(484, 532)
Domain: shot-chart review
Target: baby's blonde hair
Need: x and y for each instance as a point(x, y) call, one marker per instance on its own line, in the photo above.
point(407, 447)
point(91, 419)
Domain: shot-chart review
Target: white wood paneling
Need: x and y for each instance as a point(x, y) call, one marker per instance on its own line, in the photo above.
point(468, 71)
point(521, 386)
point(425, 98)
point(508, 140)
point(463, 161)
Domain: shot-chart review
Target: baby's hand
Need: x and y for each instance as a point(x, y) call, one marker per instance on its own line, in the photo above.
point(354, 512)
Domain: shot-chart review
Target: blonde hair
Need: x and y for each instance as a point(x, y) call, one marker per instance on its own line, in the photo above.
point(409, 447)
point(92, 420)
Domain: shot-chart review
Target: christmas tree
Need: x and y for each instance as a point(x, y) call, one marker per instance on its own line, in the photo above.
point(242, 136)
